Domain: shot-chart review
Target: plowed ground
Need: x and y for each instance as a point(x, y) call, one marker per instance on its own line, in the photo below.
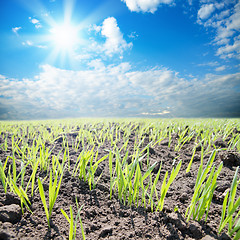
point(105, 218)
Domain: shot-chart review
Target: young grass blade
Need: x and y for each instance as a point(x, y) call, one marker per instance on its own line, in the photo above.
point(153, 188)
point(80, 220)
point(111, 173)
point(22, 195)
point(229, 208)
point(190, 163)
point(42, 195)
point(93, 169)
point(165, 186)
point(53, 193)
point(82, 230)
point(201, 189)
point(232, 197)
point(224, 208)
point(136, 183)
point(2, 175)
point(70, 221)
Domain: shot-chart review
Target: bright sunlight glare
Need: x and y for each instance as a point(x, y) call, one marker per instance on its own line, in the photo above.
point(64, 36)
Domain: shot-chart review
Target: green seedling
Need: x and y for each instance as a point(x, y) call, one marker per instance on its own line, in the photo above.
point(190, 163)
point(22, 195)
point(92, 169)
point(33, 177)
point(203, 191)
point(52, 194)
point(166, 184)
point(230, 207)
point(73, 223)
point(2, 175)
point(80, 220)
point(153, 187)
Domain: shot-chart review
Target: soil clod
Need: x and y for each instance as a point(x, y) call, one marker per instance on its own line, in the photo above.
point(10, 213)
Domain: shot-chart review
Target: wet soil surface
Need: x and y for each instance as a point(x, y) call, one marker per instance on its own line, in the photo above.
point(105, 218)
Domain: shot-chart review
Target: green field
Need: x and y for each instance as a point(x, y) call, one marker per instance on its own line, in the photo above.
point(139, 161)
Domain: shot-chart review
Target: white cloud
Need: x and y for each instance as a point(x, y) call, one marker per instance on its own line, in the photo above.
point(221, 68)
point(223, 14)
point(41, 46)
point(164, 112)
point(31, 44)
point(145, 5)
point(95, 28)
point(16, 29)
point(97, 64)
point(226, 22)
point(38, 26)
point(82, 56)
point(114, 43)
point(230, 26)
point(27, 43)
point(228, 51)
point(36, 22)
point(133, 35)
point(209, 64)
point(206, 10)
point(116, 90)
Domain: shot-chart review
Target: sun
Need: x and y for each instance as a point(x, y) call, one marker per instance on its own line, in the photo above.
point(65, 36)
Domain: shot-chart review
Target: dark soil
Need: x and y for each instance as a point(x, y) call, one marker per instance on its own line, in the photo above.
point(109, 219)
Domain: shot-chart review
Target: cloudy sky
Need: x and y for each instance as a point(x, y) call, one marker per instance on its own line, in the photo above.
point(119, 58)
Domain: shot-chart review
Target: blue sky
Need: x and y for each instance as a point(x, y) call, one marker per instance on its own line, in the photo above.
point(119, 58)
